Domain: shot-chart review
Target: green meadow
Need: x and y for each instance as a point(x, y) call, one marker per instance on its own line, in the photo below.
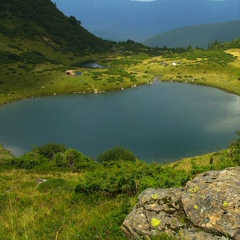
point(38, 77)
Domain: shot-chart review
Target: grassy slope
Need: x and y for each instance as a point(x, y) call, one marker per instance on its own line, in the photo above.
point(216, 68)
point(197, 69)
point(56, 213)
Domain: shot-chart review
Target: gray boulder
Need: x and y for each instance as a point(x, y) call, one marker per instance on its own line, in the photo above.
point(208, 207)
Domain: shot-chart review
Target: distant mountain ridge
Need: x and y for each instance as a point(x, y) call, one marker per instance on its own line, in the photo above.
point(120, 20)
point(196, 36)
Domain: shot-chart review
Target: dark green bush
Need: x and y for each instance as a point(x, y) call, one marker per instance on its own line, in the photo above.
point(115, 154)
point(7, 57)
point(28, 161)
point(34, 57)
point(111, 80)
point(129, 178)
point(110, 181)
point(72, 20)
point(73, 160)
point(25, 67)
point(49, 150)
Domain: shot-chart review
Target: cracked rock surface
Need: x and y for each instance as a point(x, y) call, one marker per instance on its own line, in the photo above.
point(208, 207)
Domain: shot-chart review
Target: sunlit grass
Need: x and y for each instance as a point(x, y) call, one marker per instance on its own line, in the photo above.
point(216, 160)
point(122, 72)
point(197, 71)
point(27, 213)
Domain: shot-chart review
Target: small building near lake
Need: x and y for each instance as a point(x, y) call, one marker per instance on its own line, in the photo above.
point(70, 72)
point(73, 73)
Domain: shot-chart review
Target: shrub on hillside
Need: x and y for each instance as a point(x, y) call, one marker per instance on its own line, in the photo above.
point(115, 154)
point(50, 150)
point(8, 57)
point(5, 157)
point(73, 160)
point(112, 180)
point(34, 57)
point(129, 178)
point(28, 161)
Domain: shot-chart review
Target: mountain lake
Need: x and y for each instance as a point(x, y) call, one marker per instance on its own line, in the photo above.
point(162, 122)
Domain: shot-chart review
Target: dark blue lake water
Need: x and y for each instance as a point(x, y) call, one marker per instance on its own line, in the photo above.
point(161, 122)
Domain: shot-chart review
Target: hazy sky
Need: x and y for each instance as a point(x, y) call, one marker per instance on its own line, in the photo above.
point(143, 0)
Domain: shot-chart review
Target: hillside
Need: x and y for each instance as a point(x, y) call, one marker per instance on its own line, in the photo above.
point(41, 23)
point(38, 43)
point(196, 36)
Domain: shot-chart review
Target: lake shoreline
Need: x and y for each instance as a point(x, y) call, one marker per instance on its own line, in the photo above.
point(142, 119)
point(53, 93)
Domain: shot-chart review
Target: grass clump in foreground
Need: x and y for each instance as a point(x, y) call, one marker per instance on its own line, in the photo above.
point(59, 193)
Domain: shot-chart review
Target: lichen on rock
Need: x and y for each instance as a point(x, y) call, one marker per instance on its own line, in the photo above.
point(208, 207)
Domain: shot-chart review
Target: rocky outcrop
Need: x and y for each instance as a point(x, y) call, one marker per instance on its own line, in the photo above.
point(208, 207)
